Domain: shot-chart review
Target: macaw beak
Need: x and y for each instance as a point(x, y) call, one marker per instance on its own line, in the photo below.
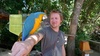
point(45, 21)
point(45, 17)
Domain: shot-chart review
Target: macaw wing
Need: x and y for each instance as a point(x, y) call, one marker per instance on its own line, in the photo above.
point(29, 24)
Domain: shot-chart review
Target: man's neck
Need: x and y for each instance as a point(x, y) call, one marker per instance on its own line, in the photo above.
point(56, 29)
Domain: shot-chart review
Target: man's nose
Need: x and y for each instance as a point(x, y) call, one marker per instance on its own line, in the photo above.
point(54, 19)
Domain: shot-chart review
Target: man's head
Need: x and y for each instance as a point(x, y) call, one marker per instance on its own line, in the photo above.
point(55, 18)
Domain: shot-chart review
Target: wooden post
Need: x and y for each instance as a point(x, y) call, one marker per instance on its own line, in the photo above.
point(85, 48)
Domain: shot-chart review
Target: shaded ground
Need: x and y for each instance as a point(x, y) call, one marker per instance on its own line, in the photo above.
point(95, 54)
point(6, 52)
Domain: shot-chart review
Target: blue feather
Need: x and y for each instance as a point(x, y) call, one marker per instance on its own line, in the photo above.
point(29, 23)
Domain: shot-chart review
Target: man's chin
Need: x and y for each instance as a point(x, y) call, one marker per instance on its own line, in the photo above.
point(54, 26)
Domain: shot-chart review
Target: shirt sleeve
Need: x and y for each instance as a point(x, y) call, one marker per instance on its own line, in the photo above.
point(63, 38)
point(42, 31)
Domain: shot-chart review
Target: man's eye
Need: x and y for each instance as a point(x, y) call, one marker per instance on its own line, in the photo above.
point(56, 18)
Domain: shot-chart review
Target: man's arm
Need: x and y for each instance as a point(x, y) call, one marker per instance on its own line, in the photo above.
point(34, 39)
point(22, 48)
point(63, 51)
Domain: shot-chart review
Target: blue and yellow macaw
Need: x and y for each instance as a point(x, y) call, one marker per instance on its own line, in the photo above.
point(31, 24)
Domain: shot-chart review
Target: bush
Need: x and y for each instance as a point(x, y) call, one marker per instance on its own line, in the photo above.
point(7, 38)
point(81, 35)
point(96, 34)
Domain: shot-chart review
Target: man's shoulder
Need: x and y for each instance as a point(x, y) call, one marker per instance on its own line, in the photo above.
point(46, 28)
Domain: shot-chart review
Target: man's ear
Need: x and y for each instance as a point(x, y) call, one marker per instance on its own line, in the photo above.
point(61, 21)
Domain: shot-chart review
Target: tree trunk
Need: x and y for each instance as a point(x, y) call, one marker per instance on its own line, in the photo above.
point(73, 27)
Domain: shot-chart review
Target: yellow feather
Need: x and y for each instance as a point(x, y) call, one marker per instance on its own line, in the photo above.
point(37, 24)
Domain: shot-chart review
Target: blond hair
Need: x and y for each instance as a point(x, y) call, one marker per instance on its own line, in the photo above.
point(56, 11)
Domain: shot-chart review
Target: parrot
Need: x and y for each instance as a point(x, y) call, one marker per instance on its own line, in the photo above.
point(31, 24)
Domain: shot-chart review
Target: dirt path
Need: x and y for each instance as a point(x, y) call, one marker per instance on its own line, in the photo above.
point(5, 52)
point(95, 54)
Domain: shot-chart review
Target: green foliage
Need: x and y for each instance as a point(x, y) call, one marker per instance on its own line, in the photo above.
point(89, 19)
point(96, 34)
point(80, 36)
point(11, 6)
point(7, 38)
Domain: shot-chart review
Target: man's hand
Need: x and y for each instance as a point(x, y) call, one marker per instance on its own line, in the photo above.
point(21, 48)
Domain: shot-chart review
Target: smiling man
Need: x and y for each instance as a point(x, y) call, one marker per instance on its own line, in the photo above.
point(52, 39)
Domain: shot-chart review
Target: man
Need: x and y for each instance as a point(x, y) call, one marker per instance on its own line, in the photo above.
point(52, 39)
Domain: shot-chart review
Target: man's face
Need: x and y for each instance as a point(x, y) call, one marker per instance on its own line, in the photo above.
point(55, 20)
